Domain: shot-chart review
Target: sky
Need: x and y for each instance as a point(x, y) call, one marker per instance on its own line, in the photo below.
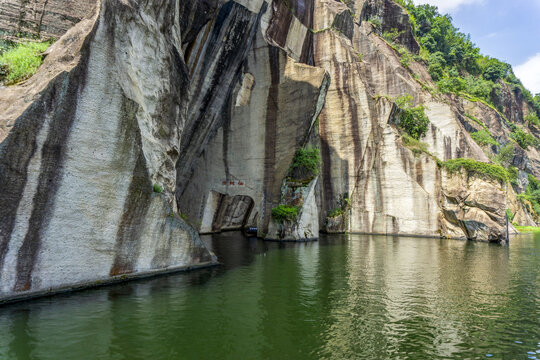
point(508, 30)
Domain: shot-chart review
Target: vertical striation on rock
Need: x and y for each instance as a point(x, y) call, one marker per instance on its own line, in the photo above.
point(77, 203)
point(391, 189)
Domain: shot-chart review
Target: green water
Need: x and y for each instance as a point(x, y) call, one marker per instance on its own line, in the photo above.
point(344, 297)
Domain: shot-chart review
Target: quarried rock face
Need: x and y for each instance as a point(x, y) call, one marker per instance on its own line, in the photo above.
point(42, 19)
point(317, 60)
point(82, 149)
point(206, 103)
point(472, 208)
point(256, 123)
point(393, 18)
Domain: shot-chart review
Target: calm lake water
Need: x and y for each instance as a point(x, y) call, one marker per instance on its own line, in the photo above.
point(344, 297)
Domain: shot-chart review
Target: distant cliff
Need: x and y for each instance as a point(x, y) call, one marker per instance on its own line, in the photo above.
point(42, 18)
point(153, 119)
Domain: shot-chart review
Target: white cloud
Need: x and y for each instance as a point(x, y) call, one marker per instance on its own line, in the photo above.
point(529, 73)
point(446, 6)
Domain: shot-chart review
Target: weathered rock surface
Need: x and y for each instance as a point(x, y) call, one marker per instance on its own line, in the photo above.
point(95, 129)
point(472, 208)
point(210, 100)
point(42, 19)
point(244, 151)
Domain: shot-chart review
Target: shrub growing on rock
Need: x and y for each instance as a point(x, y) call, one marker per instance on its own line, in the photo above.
point(335, 213)
point(416, 146)
point(510, 215)
point(532, 119)
point(505, 155)
point(375, 21)
point(283, 213)
point(344, 204)
point(532, 195)
point(412, 120)
point(484, 138)
point(522, 138)
point(306, 159)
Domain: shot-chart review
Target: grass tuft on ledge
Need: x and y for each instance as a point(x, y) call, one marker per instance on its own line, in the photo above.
point(283, 213)
point(495, 172)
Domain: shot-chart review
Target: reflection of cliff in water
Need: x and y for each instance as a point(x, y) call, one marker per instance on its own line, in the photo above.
point(342, 297)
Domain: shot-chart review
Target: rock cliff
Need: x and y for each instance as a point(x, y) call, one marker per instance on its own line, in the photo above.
point(42, 19)
point(88, 153)
point(391, 189)
point(152, 120)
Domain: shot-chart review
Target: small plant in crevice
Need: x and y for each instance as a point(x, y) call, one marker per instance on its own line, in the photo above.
point(335, 213)
point(285, 213)
point(532, 119)
point(412, 120)
point(416, 146)
point(406, 58)
point(157, 189)
point(344, 204)
point(513, 175)
point(531, 195)
point(392, 36)
point(475, 119)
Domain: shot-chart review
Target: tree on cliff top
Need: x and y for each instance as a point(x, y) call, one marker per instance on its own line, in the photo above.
point(455, 62)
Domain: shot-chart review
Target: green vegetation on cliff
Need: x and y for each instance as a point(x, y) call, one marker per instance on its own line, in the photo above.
point(412, 119)
point(532, 119)
point(21, 61)
point(522, 138)
point(455, 62)
point(505, 155)
point(484, 138)
point(307, 158)
point(528, 229)
point(495, 172)
point(510, 215)
point(283, 213)
point(532, 195)
point(416, 146)
point(344, 204)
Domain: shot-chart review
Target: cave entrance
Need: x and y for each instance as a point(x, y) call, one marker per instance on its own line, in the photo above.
point(226, 213)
